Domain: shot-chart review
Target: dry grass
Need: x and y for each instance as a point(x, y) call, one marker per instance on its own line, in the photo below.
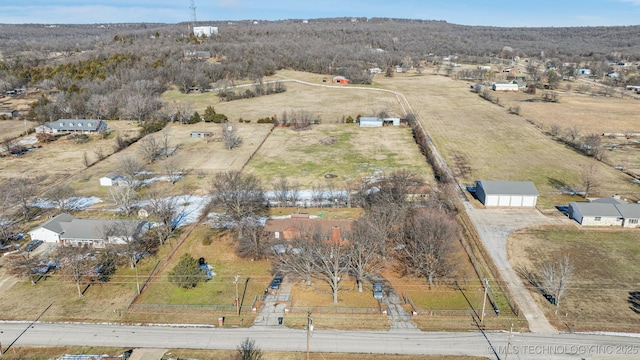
point(13, 128)
point(300, 155)
point(493, 143)
point(44, 353)
point(606, 271)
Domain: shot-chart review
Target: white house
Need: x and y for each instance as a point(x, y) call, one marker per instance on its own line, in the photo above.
point(110, 179)
point(65, 229)
point(504, 87)
point(205, 31)
point(67, 126)
point(609, 211)
point(507, 193)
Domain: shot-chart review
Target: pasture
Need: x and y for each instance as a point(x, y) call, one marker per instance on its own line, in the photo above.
point(480, 140)
point(603, 291)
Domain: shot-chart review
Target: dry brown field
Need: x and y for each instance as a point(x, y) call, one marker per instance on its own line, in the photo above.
point(13, 128)
point(605, 275)
point(481, 140)
point(330, 103)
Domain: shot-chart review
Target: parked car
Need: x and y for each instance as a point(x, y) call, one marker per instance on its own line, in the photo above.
point(377, 291)
point(32, 245)
point(275, 283)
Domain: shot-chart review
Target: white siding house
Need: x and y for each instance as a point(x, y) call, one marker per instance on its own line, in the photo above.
point(609, 211)
point(507, 193)
point(50, 231)
point(65, 229)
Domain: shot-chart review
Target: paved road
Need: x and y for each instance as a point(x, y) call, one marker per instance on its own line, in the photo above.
point(522, 346)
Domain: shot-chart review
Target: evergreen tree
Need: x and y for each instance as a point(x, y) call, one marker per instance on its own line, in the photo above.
point(187, 274)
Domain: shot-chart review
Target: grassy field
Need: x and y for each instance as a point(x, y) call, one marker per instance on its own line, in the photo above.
point(481, 140)
point(606, 273)
point(344, 150)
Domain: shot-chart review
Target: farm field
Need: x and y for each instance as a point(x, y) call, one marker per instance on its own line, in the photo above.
point(331, 103)
point(603, 292)
point(13, 128)
point(480, 140)
point(344, 150)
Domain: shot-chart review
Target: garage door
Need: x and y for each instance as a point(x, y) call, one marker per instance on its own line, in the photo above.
point(529, 201)
point(491, 201)
point(516, 200)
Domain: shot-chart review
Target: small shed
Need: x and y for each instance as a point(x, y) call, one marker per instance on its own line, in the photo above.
point(110, 179)
point(370, 122)
point(8, 114)
point(507, 193)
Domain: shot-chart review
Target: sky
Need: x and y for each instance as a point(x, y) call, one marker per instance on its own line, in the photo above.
point(504, 13)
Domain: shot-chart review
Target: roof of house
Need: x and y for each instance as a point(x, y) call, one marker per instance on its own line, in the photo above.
point(96, 229)
point(596, 209)
point(629, 211)
point(609, 200)
point(54, 223)
point(69, 227)
point(76, 124)
point(508, 187)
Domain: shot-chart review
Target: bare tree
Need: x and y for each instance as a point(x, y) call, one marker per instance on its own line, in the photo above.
point(123, 196)
point(285, 192)
point(589, 179)
point(24, 192)
point(230, 137)
point(365, 250)
point(248, 350)
point(130, 168)
point(555, 276)
point(591, 145)
point(76, 265)
point(61, 197)
point(135, 244)
point(425, 247)
point(254, 241)
point(150, 149)
point(23, 265)
point(164, 210)
point(174, 170)
point(239, 195)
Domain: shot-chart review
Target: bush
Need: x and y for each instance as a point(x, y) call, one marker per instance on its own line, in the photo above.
point(349, 120)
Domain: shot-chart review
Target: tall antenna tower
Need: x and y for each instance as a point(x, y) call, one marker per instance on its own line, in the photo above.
point(192, 8)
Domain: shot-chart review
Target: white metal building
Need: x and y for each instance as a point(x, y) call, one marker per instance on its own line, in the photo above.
point(504, 87)
point(205, 30)
point(507, 193)
point(110, 179)
point(370, 122)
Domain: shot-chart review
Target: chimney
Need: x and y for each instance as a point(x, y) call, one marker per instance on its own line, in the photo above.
point(335, 234)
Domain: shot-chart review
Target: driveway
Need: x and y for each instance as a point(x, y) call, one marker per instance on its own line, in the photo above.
point(274, 305)
point(494, 227)
point(398, 315)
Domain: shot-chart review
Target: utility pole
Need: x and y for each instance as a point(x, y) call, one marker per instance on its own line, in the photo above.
point(506, 356)
point(484, 300)
point(309, 330)
point(237, 302)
